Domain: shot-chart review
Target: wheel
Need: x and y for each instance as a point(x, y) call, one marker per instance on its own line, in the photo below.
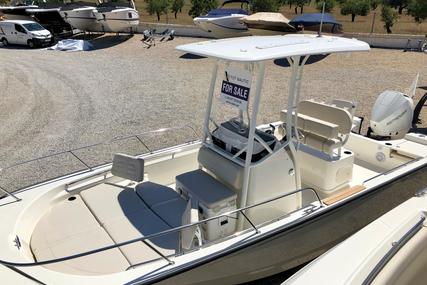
point(4, 42)
point(31, 44)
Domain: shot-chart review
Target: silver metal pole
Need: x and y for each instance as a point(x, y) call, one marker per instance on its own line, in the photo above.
point(209, 104)
point(251, 137)
point(291, 99)
point(321, 20)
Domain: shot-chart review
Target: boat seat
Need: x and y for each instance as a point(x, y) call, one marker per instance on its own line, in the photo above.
point(225, 170)
point(69, 228)
point(125, 216)
point(153, 193)
point(128, 167)
point(206, 189)
point(349, 106)
point(324, 127)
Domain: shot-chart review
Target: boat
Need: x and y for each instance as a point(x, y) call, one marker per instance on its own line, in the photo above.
point(242, 202)
point(80, 15)
point(117, 17)
point(311, 22)
point(267, 24)
point(17, 10)
point(390, 250)
point(225, 22)
point(47, 14)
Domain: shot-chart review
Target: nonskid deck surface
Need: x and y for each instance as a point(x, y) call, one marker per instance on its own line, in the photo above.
point(104, 215)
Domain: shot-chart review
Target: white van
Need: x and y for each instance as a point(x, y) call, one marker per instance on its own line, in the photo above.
point(24, 33)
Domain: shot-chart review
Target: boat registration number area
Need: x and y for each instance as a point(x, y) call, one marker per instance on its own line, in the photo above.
point(235, 88)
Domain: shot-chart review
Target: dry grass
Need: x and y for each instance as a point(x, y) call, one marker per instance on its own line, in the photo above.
point(405, 25)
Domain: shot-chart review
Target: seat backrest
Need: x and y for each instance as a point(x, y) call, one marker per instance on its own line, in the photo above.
point(345, 104)
point(328, 113)
point(309, 124)
point(228, 172)
point(128, 167)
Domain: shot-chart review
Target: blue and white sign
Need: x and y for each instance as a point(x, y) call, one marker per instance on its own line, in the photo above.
point(235, 88)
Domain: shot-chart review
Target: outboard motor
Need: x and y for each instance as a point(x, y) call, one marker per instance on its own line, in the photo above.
point(391, 116)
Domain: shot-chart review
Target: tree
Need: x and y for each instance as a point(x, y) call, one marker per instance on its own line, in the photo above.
point(265, 5)
point(355, 8)
point(418, 10)
point(389, 17)
point(157, 7)
point(374, 4)
point(176, 6)
point(201, 7)
point(397, 4)
point(301, 4)
point(329, 5)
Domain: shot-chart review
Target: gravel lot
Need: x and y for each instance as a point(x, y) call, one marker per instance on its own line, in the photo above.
point(55, 101)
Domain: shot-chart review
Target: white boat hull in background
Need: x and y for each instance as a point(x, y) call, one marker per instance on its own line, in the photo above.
point(82, 18)
point(391, 250)
point(118, 20)
point(223, 27)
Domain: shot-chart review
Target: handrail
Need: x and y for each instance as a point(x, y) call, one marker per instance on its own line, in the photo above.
point(163, 233)
point(396, 246)
point(86, 165)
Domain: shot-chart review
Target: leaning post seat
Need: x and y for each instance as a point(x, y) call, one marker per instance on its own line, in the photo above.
point(325, 129)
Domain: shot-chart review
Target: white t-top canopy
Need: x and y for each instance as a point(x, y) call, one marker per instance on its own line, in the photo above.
point(259, 48)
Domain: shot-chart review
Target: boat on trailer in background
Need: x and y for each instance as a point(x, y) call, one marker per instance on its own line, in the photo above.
point(17, 10)
point(225, 22)
point(244, 202)
point(117, 16)
point(81, 15)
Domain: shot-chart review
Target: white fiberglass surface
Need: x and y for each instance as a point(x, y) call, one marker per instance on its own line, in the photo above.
point(259, 48)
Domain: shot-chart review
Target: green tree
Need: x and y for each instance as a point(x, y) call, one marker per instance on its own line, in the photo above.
point(418, 10)
point(389, 17)
point(301, 4)
point(329, 5)
point(398, 4)
point(375, 3)
point(355, 8)
point(201, 7)
point(265, 5)
point(157, 7)
point(176, 6)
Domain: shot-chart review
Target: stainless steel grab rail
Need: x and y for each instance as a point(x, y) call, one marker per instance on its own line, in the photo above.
point(87, 167)
point(163, 233)
point(394, 249)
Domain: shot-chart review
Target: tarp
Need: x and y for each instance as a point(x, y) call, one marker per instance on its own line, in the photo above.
point(266, 17)
point(313, 19)
point(72, 45)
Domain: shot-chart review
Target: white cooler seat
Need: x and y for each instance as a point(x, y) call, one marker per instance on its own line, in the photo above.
point(211, 198)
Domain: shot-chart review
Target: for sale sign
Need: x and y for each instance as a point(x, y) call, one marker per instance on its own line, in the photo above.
point(235, 88)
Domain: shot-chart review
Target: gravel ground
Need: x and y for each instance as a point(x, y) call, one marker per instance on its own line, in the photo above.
point(55, 101)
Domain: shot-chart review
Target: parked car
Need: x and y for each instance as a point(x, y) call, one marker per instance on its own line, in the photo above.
point(22, 32)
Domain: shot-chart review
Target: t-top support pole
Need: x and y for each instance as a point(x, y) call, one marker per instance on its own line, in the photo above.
point(251, 137)
point(209, 104)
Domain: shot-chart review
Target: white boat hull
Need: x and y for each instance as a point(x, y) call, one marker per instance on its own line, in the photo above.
point(82, 19)
point(223, 27)
point(118, 20)
point(304, 242)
